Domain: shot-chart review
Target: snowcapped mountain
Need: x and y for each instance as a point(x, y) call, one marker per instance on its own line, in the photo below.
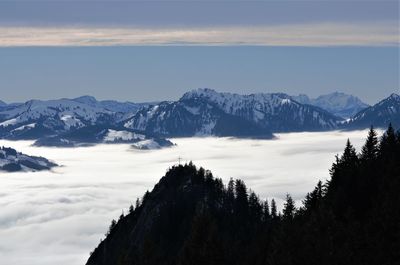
point(337, 103)
point(40, 118)
point(68, 123)
point(186, 118)
point(379, 115)
point(112, 105)
point(207, 112)
point(200, 112)
point(11, 160)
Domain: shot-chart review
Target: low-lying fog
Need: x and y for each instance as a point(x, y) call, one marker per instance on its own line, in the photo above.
point(58, 217)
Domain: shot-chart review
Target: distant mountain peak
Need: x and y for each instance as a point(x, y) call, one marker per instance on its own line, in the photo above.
point(337, 103)
point(86, 99)
point(394, 96)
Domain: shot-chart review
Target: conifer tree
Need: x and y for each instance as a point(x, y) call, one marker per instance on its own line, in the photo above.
point(274, 211)
point(349, 157)
point(289, 208)
point(266, 212)
point(255, 207)
point(241, 202)
point(314, 198)
point(137, 204)
point(370, 149)
point(388, 142)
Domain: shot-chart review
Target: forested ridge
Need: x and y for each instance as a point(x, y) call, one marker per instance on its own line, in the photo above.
point(190, 217)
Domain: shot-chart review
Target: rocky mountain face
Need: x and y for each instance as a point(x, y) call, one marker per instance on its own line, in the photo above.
point(207, 112)
point(339, 104)
point(12, 161)
point(379, 115)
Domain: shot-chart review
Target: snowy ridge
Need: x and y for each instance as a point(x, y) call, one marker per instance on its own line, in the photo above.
point(11, 160)
point(117, 136)
point(66, 112)
point(262, 107)
point(380, 115)
point(206, 112)
point(69, 122)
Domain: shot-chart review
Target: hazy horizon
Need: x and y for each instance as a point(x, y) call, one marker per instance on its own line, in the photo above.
point(178, 97)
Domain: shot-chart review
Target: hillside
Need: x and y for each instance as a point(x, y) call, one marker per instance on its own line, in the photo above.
point(12, 161)
point(380, 115)
point(190, 217)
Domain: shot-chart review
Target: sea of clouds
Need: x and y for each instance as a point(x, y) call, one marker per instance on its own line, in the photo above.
point(59, 216)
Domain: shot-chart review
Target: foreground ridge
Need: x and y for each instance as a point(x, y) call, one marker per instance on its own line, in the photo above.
point(190, 217)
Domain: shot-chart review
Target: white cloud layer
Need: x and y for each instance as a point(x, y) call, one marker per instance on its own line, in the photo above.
point(321, 34)
point(59, 217)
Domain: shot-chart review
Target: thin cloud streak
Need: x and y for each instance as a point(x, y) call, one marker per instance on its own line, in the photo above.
point(313, 35)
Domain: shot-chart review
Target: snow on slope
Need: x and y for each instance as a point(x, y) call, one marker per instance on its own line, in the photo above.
point(63, 112)
point(206, 112)
point(379, 115)
point(115, 136)
point(11, 160)
point(261, 107)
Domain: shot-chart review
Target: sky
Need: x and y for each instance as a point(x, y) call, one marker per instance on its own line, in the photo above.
point(59, 216)
point(157, 50)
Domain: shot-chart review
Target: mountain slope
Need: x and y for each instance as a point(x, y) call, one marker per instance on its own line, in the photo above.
point(186, 118)
point(192, 218)
point(69, 123)
point(337, 103)
point(108, 134)
point(207, 112)
point(380, 115)
point(37, 117)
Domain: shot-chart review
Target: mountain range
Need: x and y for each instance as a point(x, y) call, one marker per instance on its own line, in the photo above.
point(200, 112)
point(207, 112)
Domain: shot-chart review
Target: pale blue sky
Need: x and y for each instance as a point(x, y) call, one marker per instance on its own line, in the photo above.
point(158, 73)
point(311, 47)
point(192, 13)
